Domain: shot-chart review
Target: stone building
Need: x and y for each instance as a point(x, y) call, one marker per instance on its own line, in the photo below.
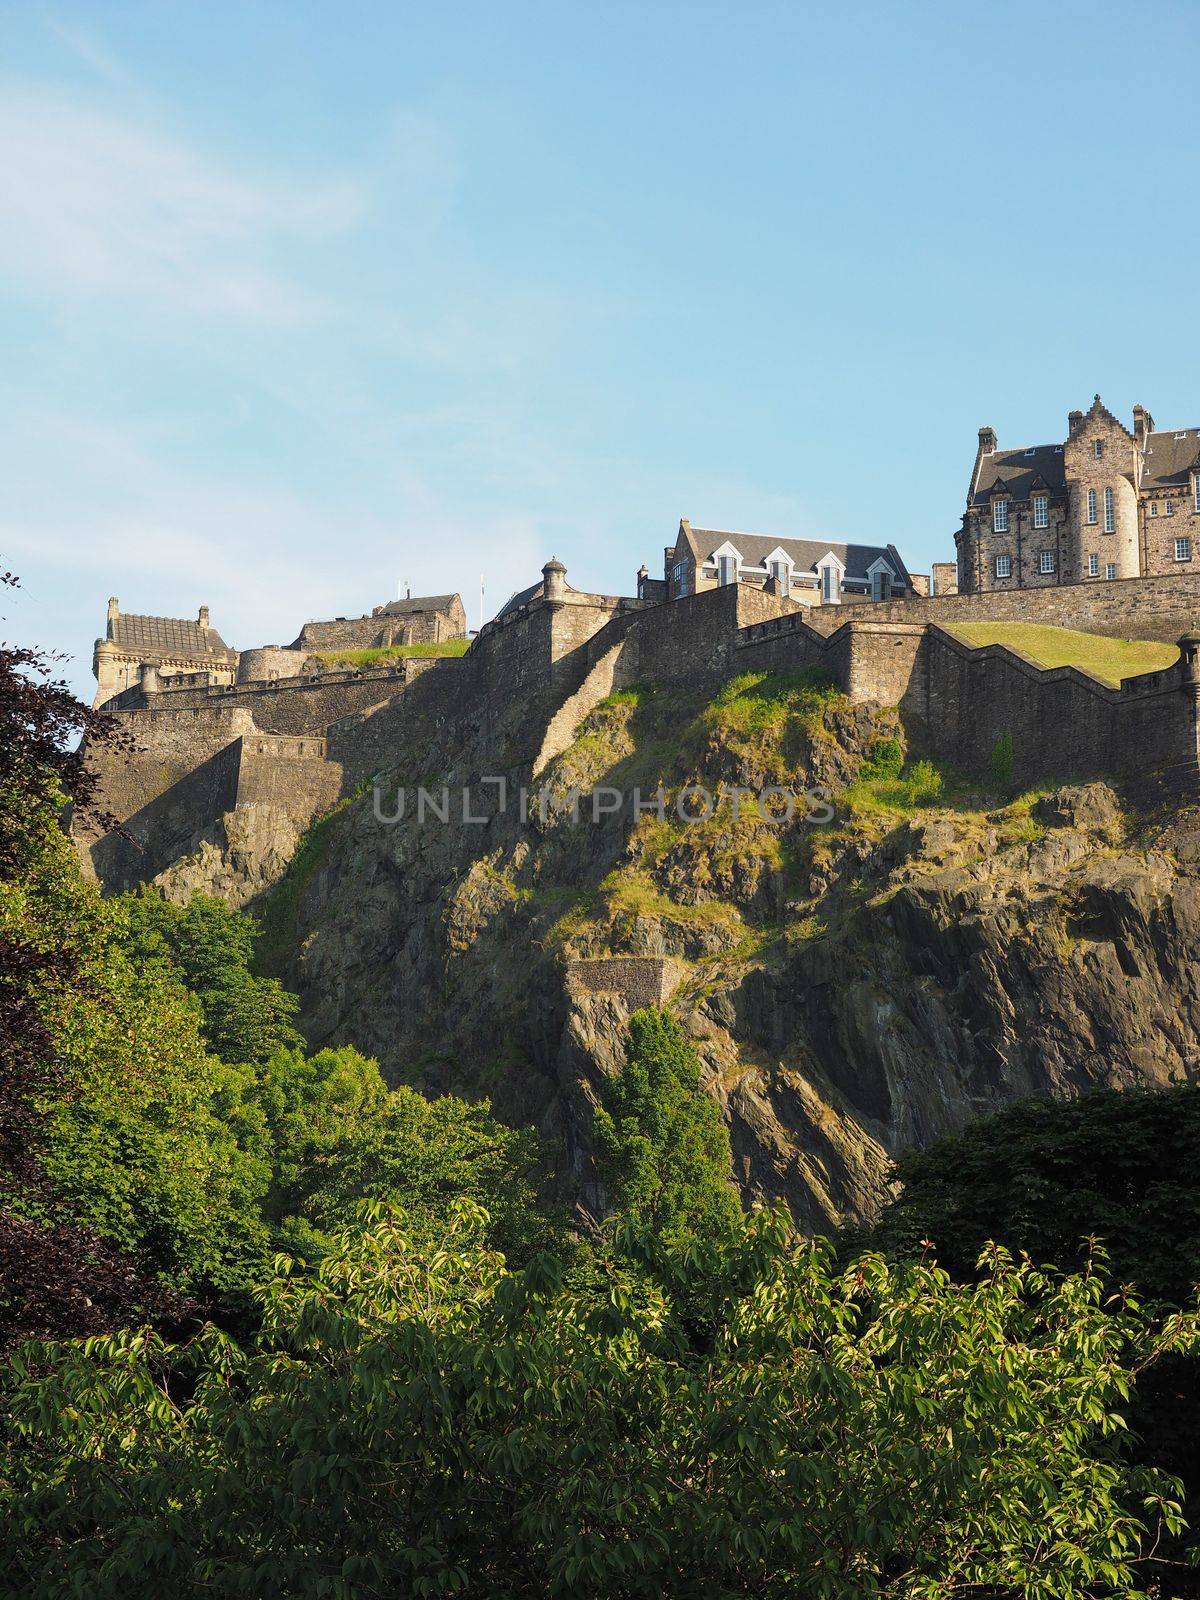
point(156, 652)
point(810, 571)
point(417, 619)
point(1109, 502)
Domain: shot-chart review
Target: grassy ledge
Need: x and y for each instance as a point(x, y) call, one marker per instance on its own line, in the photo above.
point(1110, 660)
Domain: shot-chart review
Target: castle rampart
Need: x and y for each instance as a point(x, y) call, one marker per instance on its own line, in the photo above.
point(1159, 608)
point(301, 742)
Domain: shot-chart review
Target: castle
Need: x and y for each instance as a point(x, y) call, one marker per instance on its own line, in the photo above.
point(232, 754)
point(141, 655)
point(1109, 502)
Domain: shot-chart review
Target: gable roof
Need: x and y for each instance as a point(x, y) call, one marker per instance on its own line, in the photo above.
point(1018, 471)
point(406, 607)
point(1170, 459)
point(162, 638)
point(521, 598)
point(756, 548)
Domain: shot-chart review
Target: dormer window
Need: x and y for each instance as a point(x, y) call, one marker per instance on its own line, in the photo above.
point(1000, 516)
point(829, 572)
point(1041, 511)
point(1091, 505)
point(1098, 448)
point(1110, 512)
point(779, 567)
point(726, 569)
point(881, 576)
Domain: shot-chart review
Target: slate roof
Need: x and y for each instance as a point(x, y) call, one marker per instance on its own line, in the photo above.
point(1171, 460)
point(754, 549)
point(426, 602)
point(1019, 470)
point(162, 638)
point(522, 597)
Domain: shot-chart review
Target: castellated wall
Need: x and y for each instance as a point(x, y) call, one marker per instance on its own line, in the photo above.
point(958, 702)
point(1063, 724)
point(270, 661)
point(1122, 608)
point(296, 705)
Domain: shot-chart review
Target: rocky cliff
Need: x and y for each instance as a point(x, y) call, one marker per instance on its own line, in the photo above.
point(859, 978)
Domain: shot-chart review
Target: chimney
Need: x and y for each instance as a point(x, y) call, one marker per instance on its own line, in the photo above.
point(114, 610)
point(202, 619)
point(1074, 423)
point(987, 441)
point(1143, 425)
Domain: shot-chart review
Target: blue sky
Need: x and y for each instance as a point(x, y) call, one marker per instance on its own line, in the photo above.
point(300, 300)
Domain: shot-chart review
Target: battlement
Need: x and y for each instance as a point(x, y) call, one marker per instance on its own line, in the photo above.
point(299, 743)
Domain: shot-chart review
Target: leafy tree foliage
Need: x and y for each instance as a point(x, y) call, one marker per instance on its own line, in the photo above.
point(424, 1155)
point(661, 1147)
point(210, 947)
point(54, 1277)
point(416, 1420)
point(1046, 1177)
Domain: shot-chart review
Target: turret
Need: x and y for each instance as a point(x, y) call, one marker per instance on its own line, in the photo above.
point(554, 586)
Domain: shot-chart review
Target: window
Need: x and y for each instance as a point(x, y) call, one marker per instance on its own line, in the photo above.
point(1097, 448)
point(726, 569)
point(1196, 490)
point(1045, 560)
point(1110, 512)
point(1183, 549)
point(1000, 516)
point(1154, 508)
point(1110, 570)
point(829, 584)
point(1093, 566)
point(1170, 508)
point(781, 573)
point(880, 584)
point(1041, 511)
point(1091, 504)
point(1004, 566)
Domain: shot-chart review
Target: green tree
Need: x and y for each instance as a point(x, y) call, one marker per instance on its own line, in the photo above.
point(662, 1150)
point(1047, 1177)
point(416, 1420)
point(210, 946)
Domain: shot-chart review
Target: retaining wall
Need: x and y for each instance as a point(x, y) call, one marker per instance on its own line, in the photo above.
point(1122, 608)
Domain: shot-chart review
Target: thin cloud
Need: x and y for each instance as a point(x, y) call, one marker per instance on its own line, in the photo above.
point(95, 205)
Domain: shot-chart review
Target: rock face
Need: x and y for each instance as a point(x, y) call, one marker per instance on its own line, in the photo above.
point(862, 978)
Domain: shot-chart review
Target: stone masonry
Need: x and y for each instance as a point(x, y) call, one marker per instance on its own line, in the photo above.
point(296, 745)
point(1107, 503)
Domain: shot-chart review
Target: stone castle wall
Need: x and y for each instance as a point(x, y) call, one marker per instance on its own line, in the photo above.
point(300, 744)
point(1160, 608)
point(379, 630)
point(269, 662)
point(959, 703)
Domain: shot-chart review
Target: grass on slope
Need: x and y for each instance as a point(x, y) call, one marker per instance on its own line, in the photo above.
point(1107, 659)
point(393, 652)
